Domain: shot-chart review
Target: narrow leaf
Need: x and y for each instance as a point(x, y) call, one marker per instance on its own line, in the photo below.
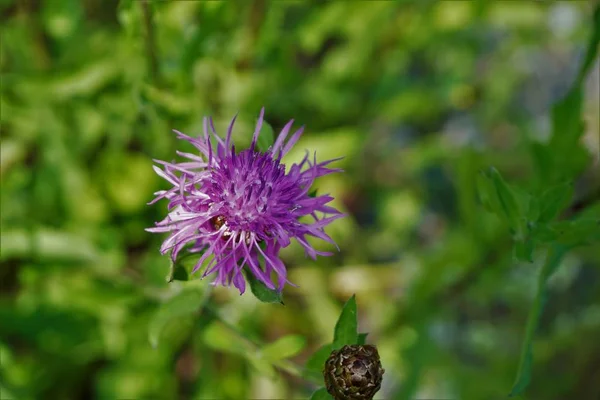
point(346, 328)
point(507, 200)
point(553, 260)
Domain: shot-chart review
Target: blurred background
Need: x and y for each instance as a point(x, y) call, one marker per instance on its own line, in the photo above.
point(417, 96)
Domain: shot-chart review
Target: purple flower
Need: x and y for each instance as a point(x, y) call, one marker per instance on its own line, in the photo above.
point(241, 209)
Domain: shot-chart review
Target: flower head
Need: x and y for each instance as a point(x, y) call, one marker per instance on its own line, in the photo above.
point(353, 372)
point(239, 209)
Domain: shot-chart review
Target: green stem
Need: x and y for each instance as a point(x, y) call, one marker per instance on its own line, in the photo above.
point(553, 260)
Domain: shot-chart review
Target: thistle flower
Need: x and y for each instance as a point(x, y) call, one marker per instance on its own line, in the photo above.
point(353, 372)
point(239, 209)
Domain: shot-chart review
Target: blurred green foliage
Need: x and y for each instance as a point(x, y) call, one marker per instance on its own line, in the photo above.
point(419, 97)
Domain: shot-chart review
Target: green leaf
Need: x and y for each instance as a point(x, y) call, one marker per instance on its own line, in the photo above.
point(266, 137)
point(507, 200)
point(261, 291)
point(592, 49)
point(543, 160)
point(524, 250)
point(498, 197)
point(544, 233)
point(346, 328)
point(316, 362)
point(567, 128)
point(181, 269)
point(187, 302)
point(566, 120)
point(487, 193)
point(553, 260)
point(285, 347)
point(177, 272)
point(578, 232)
point(321, 394)
point(534, 208)
point(362, 338)
point(261, 365)
point(219, 337)
point(567, 123)
point(554, 200)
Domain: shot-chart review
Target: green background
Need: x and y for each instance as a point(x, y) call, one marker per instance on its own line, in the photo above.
point(417, 96)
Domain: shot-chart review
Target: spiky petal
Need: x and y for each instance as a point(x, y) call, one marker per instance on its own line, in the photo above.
point(240, 209)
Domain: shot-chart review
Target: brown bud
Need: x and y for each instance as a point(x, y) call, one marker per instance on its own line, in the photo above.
point(353, 373)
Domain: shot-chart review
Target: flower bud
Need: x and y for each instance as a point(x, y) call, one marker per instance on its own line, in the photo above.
point(353, 373)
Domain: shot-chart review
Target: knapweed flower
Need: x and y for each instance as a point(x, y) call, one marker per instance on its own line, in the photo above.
point(353, 372)
point(240, 209)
